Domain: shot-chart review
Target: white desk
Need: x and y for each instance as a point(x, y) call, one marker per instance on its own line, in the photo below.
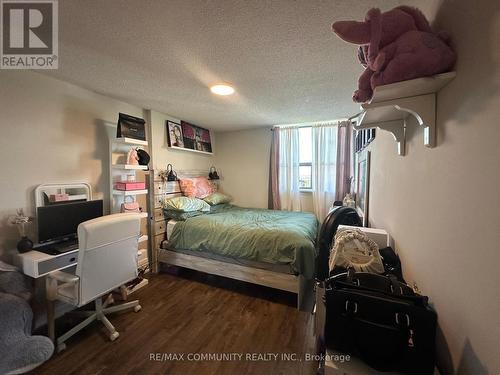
point(37, 264)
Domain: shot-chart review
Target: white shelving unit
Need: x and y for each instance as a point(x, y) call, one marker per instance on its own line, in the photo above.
point(129, 167)
point(392, 104)
point(119, 170)
point(130, 192)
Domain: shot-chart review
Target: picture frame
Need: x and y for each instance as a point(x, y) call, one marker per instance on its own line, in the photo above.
point(189, 137)
point(362, 193)
point(174, 135)
point(362, 138)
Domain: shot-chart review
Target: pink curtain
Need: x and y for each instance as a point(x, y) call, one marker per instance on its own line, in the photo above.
point(344, 161)
point(274, 163)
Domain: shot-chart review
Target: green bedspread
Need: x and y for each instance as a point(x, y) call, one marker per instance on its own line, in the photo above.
point(278, 237)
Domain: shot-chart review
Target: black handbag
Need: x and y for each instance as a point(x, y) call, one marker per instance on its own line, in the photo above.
point(212, 174)
point(171, 174)
point(142, 157)
point(130, 127)
point(381, 321)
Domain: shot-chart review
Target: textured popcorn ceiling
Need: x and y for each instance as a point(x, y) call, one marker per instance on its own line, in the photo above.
point(281, 56)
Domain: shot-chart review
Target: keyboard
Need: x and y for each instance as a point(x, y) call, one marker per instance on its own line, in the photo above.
point(58, 248)
point(64, 247)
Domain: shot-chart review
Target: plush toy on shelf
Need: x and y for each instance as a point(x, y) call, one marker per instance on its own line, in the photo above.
point(395, 46)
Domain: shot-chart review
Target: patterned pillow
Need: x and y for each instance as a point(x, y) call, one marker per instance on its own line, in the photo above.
point(185, 204)
point(217, 198)
point(197, 187)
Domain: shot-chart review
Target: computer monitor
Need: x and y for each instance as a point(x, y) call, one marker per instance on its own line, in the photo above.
point(60, 221)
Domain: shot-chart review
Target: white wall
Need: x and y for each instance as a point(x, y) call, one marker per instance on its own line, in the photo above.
point(51, 131)
point(441, 205)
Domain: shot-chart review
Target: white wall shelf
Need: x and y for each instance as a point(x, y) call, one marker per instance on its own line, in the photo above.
point(130, 141)
point(392, 104)
point(130, 192)
point(130, 167)
point(190, 150)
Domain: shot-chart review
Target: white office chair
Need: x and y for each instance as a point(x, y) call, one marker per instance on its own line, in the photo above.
point(107, 259)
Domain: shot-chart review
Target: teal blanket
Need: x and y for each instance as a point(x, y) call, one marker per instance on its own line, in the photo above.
point(278, 237)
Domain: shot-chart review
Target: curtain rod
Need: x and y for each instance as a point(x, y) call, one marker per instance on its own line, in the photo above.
point(310, 124)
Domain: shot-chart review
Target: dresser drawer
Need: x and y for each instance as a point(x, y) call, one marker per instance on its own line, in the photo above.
point(57, 262)
point(158, 240)
point(159, 214)
point(160, 227)
point(159, 200)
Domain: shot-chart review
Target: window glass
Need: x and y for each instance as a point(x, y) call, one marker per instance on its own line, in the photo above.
point(305, 158)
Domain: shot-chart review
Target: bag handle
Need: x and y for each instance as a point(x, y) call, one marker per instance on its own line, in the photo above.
point(128, 196)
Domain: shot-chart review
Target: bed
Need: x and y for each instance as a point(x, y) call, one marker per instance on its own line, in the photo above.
point(266, 247)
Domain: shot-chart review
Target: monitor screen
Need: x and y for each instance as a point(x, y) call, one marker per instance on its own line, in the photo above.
point(60, 221)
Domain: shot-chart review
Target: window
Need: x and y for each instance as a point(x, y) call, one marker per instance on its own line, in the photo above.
point(305, 158)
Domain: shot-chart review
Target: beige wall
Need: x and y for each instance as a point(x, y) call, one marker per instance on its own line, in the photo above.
point(441, 205)
point(242, 159)
point(51, 131)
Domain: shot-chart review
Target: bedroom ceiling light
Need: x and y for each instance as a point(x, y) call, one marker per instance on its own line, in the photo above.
point(222, 89)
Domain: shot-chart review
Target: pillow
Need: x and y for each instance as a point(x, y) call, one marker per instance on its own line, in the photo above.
point(180, 215)
point(217, 198)
point(186, 204)
point(197, 187)
point(220, 207)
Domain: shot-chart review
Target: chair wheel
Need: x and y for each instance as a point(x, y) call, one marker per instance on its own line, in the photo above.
point(114, 336)
point(61, 347)
point(137, 308)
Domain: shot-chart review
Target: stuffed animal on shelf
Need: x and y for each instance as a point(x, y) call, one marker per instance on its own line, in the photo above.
point(395, 46)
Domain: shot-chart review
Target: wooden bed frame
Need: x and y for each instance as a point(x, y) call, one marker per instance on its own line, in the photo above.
point(162, 190)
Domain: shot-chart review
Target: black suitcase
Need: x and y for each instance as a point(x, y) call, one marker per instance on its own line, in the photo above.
point(383, 323)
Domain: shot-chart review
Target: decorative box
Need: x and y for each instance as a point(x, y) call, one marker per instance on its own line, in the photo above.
point(58, 197)
point(126, 186)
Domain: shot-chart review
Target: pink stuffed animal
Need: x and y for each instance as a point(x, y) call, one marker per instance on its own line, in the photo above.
point(395, 46)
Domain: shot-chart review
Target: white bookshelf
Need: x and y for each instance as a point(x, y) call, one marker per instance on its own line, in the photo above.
point(129, 167)
point(119, 170)
point(130, 192)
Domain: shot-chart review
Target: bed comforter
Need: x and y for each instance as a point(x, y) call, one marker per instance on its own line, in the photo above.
point(278, 237)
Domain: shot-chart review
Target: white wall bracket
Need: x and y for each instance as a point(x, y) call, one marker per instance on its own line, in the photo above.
point(393, 104)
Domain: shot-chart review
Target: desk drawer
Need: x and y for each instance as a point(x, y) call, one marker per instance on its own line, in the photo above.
point(57, 262)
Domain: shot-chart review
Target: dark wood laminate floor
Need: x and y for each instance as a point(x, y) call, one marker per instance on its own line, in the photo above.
point(195, 313)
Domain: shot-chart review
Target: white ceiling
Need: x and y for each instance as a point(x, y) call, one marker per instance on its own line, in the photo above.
point(281, 56)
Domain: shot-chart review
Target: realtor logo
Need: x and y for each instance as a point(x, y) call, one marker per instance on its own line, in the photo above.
point(29, 34)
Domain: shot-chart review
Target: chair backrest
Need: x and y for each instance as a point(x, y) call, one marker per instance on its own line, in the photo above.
point(107, 256)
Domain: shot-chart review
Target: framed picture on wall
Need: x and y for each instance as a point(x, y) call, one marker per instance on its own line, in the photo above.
point(186, 136)
point(363, 138)
point(363, 185)
point(174, 135)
